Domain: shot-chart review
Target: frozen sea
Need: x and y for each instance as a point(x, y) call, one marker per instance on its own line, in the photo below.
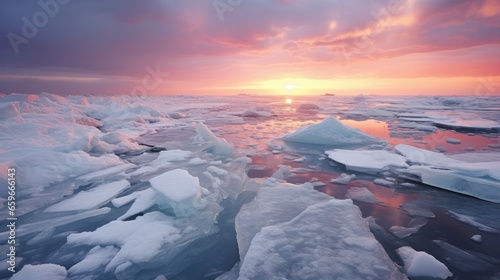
point(252, 187)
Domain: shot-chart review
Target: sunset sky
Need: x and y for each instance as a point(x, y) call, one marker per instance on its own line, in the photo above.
point(288, 47)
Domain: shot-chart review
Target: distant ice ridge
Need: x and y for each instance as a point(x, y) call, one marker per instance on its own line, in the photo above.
point(283, 234)
point(330, 132)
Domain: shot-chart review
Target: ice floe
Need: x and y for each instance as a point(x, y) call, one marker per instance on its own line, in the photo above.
point(212, 143)
point(421, 264)
point(330, 132)
point(91, 199)
point(94, 262)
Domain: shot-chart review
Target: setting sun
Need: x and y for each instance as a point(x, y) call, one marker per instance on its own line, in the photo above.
point(290, 87)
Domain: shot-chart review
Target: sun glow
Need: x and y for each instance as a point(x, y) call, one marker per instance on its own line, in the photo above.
point(290, 87)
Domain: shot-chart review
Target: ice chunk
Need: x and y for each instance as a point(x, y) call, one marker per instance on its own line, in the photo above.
point(271, 206)
point(421, 264)
point(196, 161)
point(471, 221)
point(307, 107)
point(421, 156)
point(330, 132)
point(477, 179)
point(179, 190)
point(413, 227)
point(172, 156)
point(453, 141)
point(283, 172)
point(417, 210)
point(42, 236)
point(217, 171)
point(91, 199)
point(164, 159)
point(361, 194)
point(308, 245)
point(97, 258)
point(215, 145)
point(482, 188)
point(466, 261)
point(257, 112)
point(343, 179)
point(477, 238)
point(384, 182)
point(37, 174)
point(139, 240)
point(143, 200)
point(367, 161)
point(44, 225)
point(47, 271)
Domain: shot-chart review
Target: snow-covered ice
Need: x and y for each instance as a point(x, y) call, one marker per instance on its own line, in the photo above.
point(312, 247)
point(78, 153)
point(139, 240)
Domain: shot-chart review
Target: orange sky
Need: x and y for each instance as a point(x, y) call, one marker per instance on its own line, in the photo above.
point(288, 47)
